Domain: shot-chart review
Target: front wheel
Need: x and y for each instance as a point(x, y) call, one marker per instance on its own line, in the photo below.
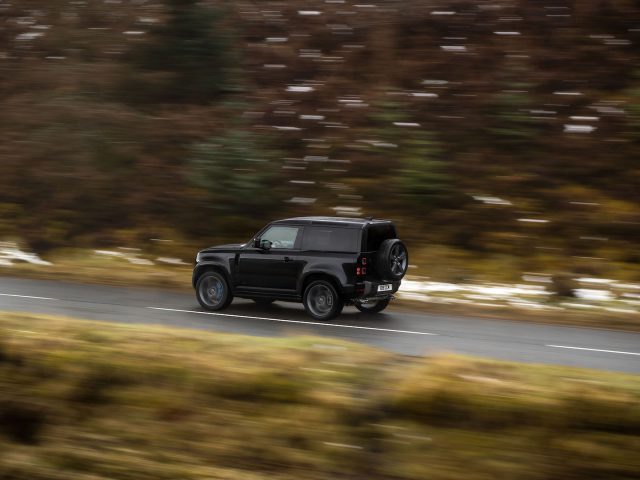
point(373, 306)
point(321, 300)
point(213, 292)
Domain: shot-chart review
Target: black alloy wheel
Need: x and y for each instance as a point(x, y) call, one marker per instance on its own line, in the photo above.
point(393, 259)
point(212, 291)
point(321, 300)
point(398, 260)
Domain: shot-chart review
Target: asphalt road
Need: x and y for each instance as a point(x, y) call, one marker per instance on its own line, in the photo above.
point(398, 331)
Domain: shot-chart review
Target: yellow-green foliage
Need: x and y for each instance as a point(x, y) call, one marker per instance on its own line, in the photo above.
point(86, 400)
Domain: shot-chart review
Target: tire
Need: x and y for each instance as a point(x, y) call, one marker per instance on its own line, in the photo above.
point(263, 301)
point(392, 259)
point(374, 306)
point(213, 292)
point(321, 300)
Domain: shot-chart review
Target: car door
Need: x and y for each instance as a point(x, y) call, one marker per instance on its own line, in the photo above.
point(274, 270)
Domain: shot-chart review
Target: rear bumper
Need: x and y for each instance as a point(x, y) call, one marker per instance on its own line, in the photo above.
point(370, 289)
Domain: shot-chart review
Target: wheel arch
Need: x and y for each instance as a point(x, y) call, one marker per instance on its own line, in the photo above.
point(312, 276)
point(211, 267)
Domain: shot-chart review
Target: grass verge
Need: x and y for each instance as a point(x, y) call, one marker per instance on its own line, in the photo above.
point(86, 400)
point(83, 266)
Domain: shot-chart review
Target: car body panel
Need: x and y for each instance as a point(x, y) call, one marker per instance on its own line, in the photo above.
point(275, 268)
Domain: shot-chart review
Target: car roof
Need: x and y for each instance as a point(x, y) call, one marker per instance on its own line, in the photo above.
point(333, 221)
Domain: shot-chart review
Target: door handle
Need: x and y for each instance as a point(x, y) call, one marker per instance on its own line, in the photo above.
point(287, 259)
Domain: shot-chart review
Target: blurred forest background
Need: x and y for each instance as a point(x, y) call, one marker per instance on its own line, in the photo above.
point(499, 131)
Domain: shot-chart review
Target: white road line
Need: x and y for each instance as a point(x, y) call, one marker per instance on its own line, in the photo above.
point(27, 296)
point(293, 321)
point(593, 349)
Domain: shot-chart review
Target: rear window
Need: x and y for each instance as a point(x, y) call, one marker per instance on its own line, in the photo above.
point(376, 234)
point(330, 239)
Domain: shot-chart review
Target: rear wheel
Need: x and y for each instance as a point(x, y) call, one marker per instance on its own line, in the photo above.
point(373, 306)
point(213, 292)
point(321, 300)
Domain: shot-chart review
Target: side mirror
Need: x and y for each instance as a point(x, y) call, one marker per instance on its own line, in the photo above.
point(265, 244)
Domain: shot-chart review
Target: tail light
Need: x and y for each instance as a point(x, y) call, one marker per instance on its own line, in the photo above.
point(361, 269)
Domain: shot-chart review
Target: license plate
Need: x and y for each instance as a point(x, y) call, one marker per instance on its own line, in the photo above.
point(384, 288)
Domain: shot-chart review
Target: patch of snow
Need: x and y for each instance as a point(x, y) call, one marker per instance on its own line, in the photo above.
point(342, 210)
point(299, 88)
point(595, 295)
point(109, 253)
point(602, 281)
point(171, 261)
point(11, 253)
point(28, 36)
point(280, 127)
point(533, 220)
point(453, 48)
point(434, 82)
point(491, 200)
point(139, 261)
point(302, 200)
point(579, 128)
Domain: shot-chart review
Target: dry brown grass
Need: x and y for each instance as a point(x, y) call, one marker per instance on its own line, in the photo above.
point(89, 400)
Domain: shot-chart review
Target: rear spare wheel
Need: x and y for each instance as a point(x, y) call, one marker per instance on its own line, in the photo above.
point(392, 259)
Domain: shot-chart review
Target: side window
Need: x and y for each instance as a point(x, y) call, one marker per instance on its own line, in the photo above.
point(330, 239)
point(281, 236)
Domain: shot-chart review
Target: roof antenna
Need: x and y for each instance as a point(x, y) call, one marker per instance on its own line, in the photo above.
point(369, 218)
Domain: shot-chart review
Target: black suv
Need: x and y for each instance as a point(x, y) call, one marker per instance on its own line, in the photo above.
point(325, 262)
